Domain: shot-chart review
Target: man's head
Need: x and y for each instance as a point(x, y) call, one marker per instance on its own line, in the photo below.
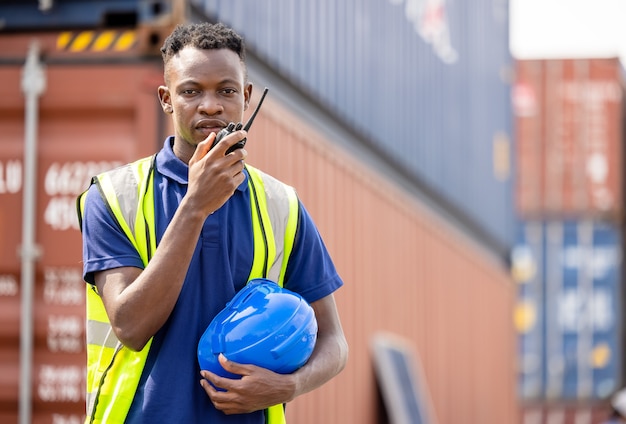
point(206, 82)
point(203, 36)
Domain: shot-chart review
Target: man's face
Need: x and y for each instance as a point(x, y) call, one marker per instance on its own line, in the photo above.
point(205, 91)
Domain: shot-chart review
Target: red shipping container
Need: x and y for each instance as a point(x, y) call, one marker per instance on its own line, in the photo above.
point(569, 134)
point(565, 413)
point(84, 128)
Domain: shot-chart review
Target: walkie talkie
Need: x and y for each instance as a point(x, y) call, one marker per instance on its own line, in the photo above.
point(236, 127)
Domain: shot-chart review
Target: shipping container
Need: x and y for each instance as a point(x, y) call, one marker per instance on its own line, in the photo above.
point(425, 85)
point(569, 312)
point(566, 413)
point(85, 126)
point(569, 116)
point(410, 266)
point(38, 15)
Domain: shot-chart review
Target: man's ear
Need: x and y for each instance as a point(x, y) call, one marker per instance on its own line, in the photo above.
point(165, 99)
point(247, 95)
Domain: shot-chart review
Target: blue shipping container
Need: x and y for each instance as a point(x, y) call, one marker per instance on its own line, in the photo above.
point(39, 15)
point(422, 81)
point(569, 309)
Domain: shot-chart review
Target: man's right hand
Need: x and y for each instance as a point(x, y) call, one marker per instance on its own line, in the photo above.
point(214, 175)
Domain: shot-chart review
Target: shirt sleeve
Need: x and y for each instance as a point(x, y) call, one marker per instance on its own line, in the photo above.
point(310, 271)
point(105, 246)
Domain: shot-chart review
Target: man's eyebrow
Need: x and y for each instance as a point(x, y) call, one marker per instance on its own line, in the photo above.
point(229, 81)
point(193, 81)
point(188, 81)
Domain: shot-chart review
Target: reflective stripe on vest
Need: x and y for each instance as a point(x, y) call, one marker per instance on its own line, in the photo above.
point(113, 370)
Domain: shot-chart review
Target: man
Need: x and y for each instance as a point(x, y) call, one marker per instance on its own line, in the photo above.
point(160, 299)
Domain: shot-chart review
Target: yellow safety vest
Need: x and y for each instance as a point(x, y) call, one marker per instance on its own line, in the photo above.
point(113, 370)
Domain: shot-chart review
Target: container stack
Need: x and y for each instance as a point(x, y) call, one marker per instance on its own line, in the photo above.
point(567, 261)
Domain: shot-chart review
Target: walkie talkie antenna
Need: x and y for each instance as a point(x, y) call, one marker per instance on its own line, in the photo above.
point(249, 123)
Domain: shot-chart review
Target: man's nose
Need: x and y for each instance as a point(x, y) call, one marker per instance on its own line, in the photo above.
point(210, 104)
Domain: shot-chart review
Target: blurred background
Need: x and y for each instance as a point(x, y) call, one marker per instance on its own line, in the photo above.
point(463, 162)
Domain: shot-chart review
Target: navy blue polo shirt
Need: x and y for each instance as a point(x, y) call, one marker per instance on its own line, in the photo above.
point(169, 387)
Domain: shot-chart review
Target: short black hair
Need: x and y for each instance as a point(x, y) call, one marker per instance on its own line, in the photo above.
point(203, 36)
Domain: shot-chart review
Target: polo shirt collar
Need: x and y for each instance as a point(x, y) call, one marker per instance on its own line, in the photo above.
point(170, 166)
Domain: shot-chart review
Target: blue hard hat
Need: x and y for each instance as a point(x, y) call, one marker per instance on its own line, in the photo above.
point(264, 325)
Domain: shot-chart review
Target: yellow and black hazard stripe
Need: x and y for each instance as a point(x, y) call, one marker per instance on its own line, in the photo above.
point(97, 41)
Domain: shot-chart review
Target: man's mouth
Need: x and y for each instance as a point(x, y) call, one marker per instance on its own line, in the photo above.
point(207, 126)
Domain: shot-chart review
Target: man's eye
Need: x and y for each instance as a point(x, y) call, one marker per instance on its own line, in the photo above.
point(229, 91)
point(190, 91)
